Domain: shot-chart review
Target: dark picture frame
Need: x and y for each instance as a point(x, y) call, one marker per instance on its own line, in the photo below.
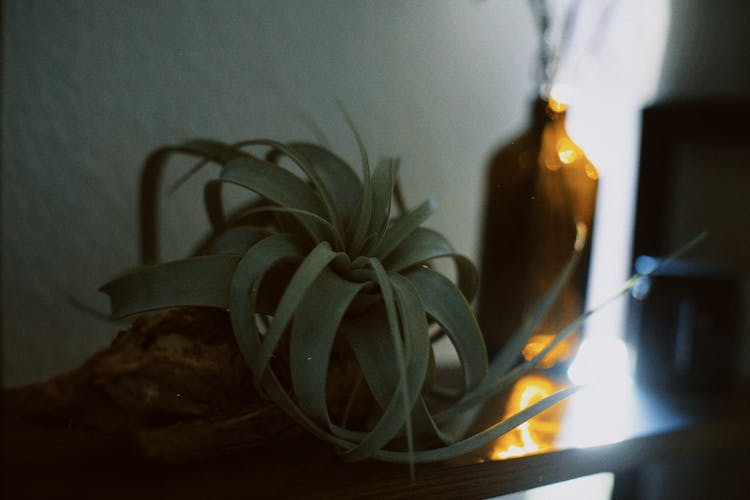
point(667, 127)
point(694, 175)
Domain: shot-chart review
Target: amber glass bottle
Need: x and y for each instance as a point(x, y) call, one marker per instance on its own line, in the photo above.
point(539, 187)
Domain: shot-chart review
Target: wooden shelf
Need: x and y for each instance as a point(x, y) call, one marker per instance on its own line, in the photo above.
point(42, 463)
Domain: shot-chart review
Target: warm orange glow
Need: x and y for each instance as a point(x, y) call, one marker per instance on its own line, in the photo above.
point(537, 434)
point(556, 106)
point(537, 343)
point(558, 149)
point(567, 151)
point(552, 163)
point(582, 233)
point(591, 172)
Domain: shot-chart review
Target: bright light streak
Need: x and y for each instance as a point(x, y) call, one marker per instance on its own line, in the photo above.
point(603, 412)
point(602, 361)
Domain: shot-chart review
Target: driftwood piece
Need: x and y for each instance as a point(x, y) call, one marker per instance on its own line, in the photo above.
point(176, 384)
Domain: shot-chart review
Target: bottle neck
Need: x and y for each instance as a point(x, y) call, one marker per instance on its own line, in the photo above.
point(547, 111)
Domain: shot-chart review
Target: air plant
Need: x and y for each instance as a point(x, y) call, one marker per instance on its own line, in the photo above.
point(318, 262)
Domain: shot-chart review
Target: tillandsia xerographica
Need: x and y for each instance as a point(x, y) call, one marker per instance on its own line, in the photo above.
point(316, 261)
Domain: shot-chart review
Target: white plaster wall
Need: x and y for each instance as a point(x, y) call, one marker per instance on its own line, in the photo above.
point(89, 87)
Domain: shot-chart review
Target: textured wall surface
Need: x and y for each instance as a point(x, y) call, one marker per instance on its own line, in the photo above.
point(91, 86)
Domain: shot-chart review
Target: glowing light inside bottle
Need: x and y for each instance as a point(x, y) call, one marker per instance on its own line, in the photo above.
point(556, 105)
point(537, 434)
point(567, 151)
point(539, 342)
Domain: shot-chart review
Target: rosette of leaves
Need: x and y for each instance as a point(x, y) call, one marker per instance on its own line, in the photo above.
point(316, 260)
